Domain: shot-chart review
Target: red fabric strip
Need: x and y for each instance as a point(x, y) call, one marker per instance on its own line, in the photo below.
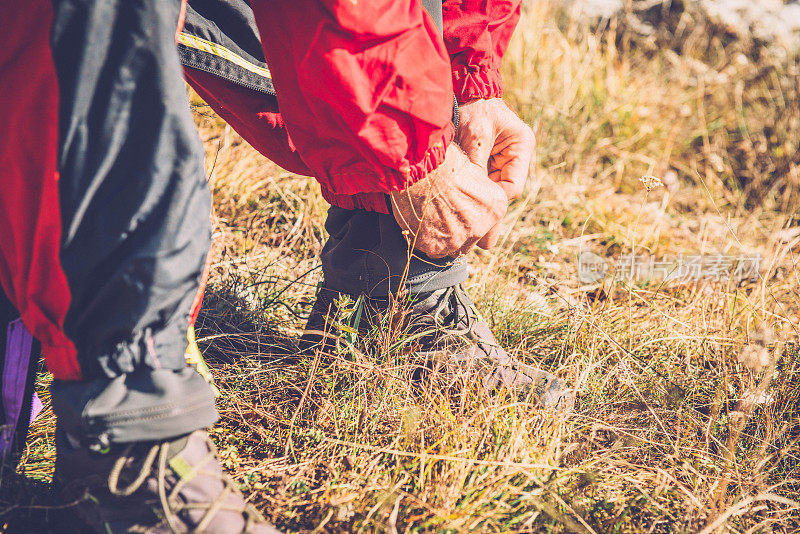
point(30, 218)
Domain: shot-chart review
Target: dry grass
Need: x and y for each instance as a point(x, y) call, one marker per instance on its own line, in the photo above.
point(687, 418)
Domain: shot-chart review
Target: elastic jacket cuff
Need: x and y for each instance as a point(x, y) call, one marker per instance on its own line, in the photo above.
point(364, 188)
point(471, 82)
point(360, 201)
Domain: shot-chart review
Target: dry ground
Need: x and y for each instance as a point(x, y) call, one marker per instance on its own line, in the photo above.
point(687, 418)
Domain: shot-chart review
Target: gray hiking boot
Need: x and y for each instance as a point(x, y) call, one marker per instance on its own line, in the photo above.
point(163, 487)
point(447, 331)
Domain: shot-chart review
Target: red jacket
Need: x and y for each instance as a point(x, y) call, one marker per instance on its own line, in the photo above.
point(364, 89)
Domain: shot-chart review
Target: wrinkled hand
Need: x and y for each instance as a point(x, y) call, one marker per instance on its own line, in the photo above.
point(450, 210)
point(493, 136)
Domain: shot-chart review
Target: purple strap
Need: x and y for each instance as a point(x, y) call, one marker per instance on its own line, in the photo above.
point(36, 407)
point(15, 370)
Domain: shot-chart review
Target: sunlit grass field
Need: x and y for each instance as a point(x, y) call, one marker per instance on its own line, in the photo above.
point(687, 414)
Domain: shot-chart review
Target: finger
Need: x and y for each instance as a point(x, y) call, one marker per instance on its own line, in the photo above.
point(437, 253)
point(512, 190)
point(491, 238)
point(512, 156)
point(469, 245)
point(437, 245)
point(434, 248)
point(514, 175)
point(509, 172)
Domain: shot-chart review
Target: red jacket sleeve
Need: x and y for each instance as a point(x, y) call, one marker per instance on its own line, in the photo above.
point(253, 116)
point(364, 89)
point(477, 33)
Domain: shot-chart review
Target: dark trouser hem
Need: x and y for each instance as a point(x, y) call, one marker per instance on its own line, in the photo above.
point(434, 280)
point(367, 253)
point(146, 405)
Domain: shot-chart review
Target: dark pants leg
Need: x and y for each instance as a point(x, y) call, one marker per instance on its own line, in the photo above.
point(105, 212)
point(367, 253)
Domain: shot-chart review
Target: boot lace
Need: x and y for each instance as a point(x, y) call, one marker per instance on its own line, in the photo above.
point(172, 504)
point(454, 304)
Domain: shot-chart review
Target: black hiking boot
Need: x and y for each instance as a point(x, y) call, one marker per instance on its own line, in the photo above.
point(447, 331)
point(162, 487)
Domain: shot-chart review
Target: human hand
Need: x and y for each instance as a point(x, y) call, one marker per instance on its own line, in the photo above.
point(493, 136)
point(449, 211)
